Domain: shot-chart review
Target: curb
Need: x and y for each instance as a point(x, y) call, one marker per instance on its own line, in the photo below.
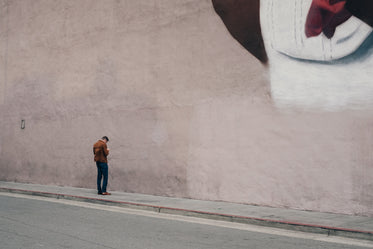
point(294, 226)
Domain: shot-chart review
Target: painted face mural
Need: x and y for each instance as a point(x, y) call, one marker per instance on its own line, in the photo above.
point(319, 52)
point(320, 31)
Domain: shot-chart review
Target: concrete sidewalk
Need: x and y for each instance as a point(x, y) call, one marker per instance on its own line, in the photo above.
point(315, 222)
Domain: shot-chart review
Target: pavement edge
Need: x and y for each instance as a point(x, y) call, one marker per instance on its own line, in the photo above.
point(294, 226)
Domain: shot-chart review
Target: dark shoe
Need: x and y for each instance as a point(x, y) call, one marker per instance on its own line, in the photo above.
point(106, 193)
point(99, 193)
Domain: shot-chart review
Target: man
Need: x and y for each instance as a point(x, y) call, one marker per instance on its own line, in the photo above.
point(101, 152)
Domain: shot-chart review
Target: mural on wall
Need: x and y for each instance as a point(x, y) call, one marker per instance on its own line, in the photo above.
point(318, 52)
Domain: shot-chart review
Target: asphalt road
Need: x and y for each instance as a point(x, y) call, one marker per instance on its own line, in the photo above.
point(35, 222)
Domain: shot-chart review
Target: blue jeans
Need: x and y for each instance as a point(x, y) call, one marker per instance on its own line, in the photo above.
point(102, 171)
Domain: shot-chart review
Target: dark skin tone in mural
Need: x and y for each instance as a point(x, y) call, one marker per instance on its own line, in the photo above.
point(362, 9)
point(241, 17)
point(242, 20)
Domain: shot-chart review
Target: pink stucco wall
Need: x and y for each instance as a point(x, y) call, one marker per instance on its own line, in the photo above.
point(188, 112)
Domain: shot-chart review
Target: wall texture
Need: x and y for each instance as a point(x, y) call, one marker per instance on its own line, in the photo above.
point(188, 111)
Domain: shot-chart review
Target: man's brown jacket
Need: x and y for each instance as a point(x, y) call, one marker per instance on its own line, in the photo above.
point(100, 151)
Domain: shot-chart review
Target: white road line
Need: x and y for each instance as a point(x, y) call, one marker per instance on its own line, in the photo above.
point(224, 224)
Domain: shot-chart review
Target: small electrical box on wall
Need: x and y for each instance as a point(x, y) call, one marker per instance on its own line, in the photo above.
point(23, 124)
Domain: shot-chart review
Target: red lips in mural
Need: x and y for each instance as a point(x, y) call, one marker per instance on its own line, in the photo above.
point(324, 16)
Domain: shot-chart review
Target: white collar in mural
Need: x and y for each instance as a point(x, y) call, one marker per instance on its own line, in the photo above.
point(284, 21)
point(308, 72)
